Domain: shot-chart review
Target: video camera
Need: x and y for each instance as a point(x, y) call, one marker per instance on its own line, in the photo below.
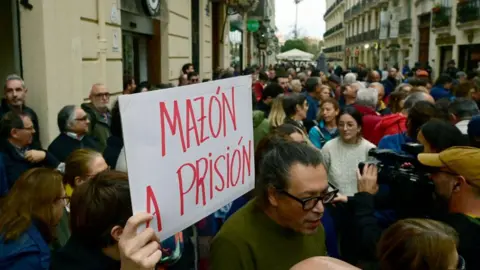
point(409, 189)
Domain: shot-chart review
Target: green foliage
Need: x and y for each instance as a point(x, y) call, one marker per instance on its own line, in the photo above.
point(291, 44)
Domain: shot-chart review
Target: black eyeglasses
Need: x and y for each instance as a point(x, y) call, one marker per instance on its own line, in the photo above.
point(84, 118)
point(102, 95)
point(310, 203)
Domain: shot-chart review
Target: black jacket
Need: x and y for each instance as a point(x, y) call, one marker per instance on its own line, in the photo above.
point(16, 164)
point(64, 145)
point(78, 255)
point(5, 108)
point(112, 151)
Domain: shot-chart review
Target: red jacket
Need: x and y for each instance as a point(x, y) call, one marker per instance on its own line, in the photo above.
point(258, 90)
point(370, 119)
point(390, 124)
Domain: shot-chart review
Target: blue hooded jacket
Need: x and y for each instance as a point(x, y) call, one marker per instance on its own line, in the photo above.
point(28, 252)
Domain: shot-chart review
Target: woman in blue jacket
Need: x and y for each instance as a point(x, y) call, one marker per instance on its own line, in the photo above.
point(30, 212)
point(327, 127)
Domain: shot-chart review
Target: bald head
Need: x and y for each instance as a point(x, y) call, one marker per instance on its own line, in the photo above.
point(329, 263)
point(96, 88)
point(99, 96)
point(415, 97)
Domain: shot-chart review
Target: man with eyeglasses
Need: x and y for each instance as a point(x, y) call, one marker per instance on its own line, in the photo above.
point(456, 177)
point(73, 124)
point(18, 152)
point(193, 78)
point(99, 114)
point(281, 226)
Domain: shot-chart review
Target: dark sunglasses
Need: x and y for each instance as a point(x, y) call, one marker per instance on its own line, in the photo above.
point(85, 118)
point(310, 203)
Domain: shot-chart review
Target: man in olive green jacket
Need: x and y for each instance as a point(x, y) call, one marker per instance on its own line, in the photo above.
point(99, 114)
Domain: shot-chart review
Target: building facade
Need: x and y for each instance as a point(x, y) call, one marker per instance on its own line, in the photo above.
point(361, 18)
point(404, 32)
point(263, 44)
point(334, 36)
point(62, 47)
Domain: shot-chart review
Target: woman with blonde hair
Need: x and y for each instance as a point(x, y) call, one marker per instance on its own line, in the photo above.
point(419, 244)
point(80, 166)
point(30, 213)
point(296, 86)
point(277, 113)
point(326, 93)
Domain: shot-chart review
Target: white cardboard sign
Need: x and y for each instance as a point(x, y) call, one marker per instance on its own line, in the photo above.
point(189, 150)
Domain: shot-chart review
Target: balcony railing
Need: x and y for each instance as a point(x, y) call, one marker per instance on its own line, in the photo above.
point(333, 30)
point(441, 16)
point(356, 9)
point(332, 7)
point(347, 15)
point(363, 37)
point(363, 6)
point(468, 11)
point(333, 49)
point(405, 27)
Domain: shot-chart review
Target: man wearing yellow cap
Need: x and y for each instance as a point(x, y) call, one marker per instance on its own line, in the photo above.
point(456, 177)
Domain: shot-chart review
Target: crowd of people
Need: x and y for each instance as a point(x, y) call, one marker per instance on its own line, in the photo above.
point(68, 205)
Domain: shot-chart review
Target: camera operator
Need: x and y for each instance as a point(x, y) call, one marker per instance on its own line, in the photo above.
point(403, 197)
point(457, 189)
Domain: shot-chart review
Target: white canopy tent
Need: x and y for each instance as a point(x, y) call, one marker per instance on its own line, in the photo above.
point(295, 55)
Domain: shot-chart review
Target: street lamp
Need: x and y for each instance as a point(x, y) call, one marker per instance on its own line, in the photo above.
point(296, 17)
point(366, 46)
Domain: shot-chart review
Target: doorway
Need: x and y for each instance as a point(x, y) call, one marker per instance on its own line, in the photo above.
point(446, 54)
point(10, 46)
point(135, 56)
point(196, 34)
point(469, 57)
point(216, 23)
point(424, 39)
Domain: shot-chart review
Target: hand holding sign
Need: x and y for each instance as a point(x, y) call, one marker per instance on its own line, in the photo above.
point(139, 251)
point(189, 150)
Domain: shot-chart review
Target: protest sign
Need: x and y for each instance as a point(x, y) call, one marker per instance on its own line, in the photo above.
point(189, 150)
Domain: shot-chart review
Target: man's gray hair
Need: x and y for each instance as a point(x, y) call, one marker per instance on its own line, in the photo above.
point(358, 85)
point(302, 76)
point(349, 78)
point(66, 118)
point(413, 98)
point(367, 97)
point(377, 84)
point(14, 77)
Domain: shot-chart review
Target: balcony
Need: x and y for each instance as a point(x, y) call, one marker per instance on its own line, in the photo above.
point(261, 11)
point(363, 37)
point(347, 15)
point(441, 16)
point(405, 27)
point(356, 9)
point(333, 30)
point(332, 7)
point(468, 11)
point(333, 49)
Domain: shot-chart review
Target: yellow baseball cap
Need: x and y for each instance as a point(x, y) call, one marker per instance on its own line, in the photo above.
point(464, 161)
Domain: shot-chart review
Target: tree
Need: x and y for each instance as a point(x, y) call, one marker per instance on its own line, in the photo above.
point(291, 44)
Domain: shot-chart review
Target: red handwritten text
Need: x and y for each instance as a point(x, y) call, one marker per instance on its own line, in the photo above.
point(212, 175)
point(211, 120)
point(152, 201)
